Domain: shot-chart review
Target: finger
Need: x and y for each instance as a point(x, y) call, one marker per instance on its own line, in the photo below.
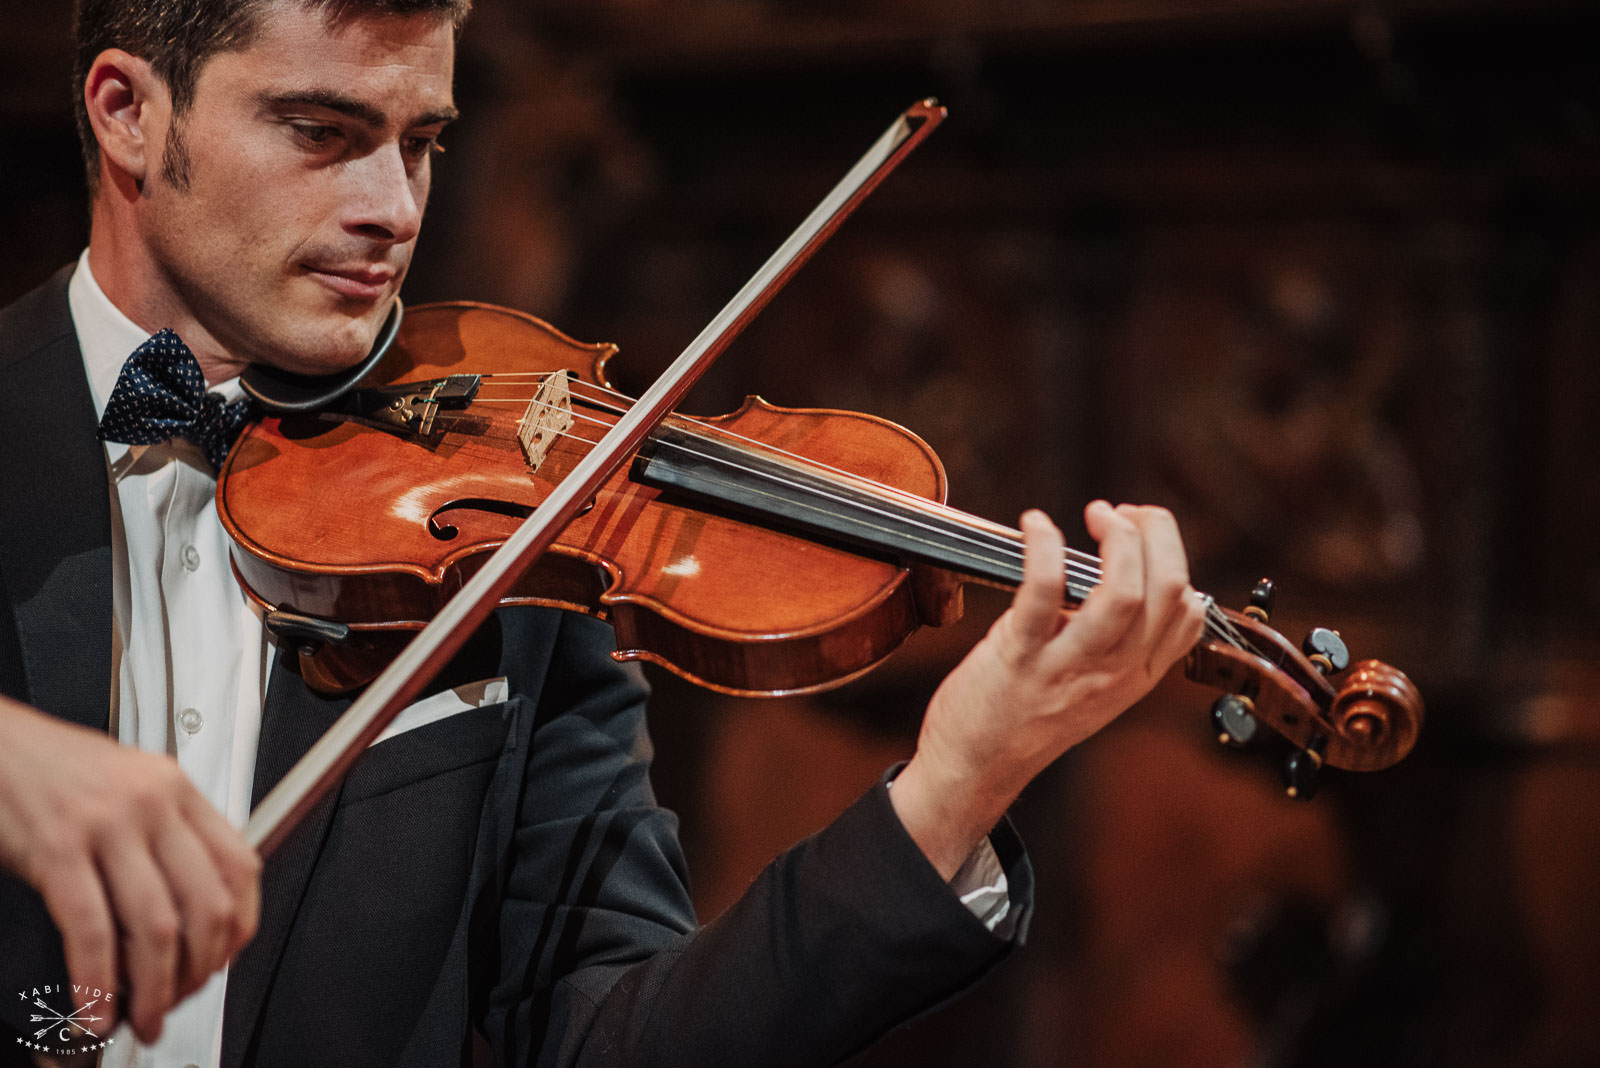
point(204, 904)
point(1181, 633)
point(1036, 608)
point(1165, 560)
point(77, 902)
point(142, 900)
point(238, 865)
point(1166, 577)
point(1177, 609)
point(1113, 606)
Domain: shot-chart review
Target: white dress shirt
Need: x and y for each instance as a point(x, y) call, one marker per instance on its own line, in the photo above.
point(188, 648)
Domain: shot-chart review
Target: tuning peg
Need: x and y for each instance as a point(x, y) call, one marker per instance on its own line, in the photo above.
point(1325, 649)
point(1261, 600)
point(1302, 771)
point(1233, 716)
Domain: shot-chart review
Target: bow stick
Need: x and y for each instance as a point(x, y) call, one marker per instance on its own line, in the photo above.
point(326, 762)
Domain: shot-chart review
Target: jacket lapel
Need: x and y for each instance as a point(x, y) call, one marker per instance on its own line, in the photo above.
point(55, 545)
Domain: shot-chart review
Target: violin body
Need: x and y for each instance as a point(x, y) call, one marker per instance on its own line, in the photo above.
point(342, 517)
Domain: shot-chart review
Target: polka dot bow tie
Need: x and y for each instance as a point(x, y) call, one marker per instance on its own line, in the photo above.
point(161, 395)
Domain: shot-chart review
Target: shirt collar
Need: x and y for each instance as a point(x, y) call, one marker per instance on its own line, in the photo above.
point(107, 338)
point(105, 335)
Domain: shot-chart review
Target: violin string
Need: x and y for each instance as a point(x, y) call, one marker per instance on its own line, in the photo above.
point(1080, 565)
point(1216, 621)
point(1007, 551)
point(618, 403)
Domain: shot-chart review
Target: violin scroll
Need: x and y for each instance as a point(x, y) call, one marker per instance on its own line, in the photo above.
point(1365, 721)
point(1378, 701)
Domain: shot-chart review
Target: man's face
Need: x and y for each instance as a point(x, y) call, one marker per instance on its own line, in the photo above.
point(282, 216)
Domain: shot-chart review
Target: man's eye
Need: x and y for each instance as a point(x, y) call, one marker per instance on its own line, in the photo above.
point(314, 134)
point(418, 147)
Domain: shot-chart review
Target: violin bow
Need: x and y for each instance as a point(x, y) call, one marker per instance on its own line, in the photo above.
point(326, 762)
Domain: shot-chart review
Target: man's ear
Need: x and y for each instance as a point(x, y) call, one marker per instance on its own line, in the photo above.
point(128, 104)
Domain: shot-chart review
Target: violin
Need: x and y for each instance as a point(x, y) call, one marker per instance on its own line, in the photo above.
point(768, 551)
point(486, 457)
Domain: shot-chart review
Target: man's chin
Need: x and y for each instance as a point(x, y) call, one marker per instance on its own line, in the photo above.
point(338, 348)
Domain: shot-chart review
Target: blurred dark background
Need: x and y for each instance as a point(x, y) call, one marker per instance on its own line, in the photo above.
point(1322, 277)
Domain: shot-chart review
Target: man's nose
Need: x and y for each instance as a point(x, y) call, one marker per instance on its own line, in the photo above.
point(388, 199)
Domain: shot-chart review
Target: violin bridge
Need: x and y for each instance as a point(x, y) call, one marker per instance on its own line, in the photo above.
point(549, 415)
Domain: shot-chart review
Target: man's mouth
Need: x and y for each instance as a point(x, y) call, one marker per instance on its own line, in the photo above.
point(364, 283)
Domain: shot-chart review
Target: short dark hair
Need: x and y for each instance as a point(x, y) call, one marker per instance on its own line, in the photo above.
point(177, 37)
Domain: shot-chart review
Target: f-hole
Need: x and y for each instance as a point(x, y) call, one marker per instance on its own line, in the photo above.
point(445, 531)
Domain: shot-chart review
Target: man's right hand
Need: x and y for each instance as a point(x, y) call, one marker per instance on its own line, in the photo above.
point(152, 889)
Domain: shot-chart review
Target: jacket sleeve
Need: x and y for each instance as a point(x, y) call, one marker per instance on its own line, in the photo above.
point(843, 937)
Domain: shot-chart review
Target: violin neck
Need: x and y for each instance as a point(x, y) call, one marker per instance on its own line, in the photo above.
point(732, 475)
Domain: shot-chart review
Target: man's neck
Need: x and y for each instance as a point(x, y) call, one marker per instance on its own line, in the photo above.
point(138, 287)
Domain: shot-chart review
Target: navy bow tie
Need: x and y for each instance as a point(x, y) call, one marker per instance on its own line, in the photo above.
point(161, 395)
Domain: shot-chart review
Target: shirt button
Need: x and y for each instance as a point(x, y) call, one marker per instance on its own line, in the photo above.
point(191, 558)
point(190, 720)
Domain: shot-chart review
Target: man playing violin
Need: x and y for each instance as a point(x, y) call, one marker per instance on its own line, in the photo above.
point(496, 865)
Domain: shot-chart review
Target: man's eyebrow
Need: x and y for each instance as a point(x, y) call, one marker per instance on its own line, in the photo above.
point(359, 110)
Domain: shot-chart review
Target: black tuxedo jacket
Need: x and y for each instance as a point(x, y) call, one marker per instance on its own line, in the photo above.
point(505, 871)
